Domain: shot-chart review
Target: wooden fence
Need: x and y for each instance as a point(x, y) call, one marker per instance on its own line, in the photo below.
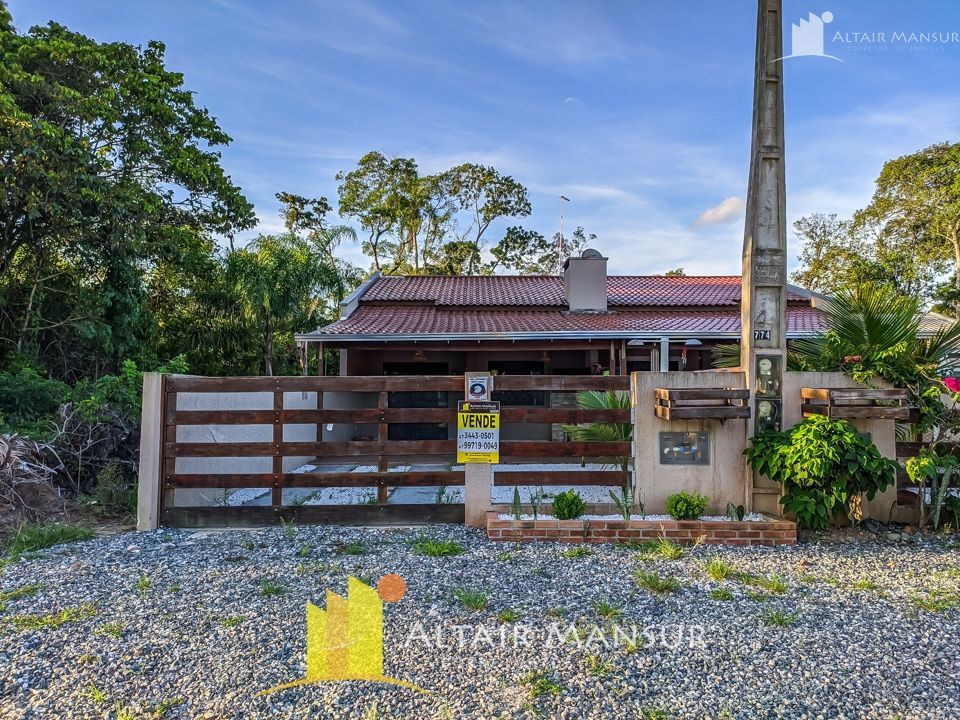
point(225, 434)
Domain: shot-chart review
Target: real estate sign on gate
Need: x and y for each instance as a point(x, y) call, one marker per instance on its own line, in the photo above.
point(478, 431)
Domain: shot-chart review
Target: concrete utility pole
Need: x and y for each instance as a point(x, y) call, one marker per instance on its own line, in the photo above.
point(763, 304)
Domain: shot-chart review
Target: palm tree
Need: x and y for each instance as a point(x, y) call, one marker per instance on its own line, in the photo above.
point(873, 332)
point(608, 432)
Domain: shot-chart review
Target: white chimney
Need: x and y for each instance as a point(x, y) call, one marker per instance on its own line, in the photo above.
point(585, 282)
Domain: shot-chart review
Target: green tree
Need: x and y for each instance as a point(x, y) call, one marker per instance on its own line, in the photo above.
point(916, 206)
point(530, 253)
point(427, 224)
point(108, 170)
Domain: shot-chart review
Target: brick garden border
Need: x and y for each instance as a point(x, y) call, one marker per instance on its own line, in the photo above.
point(774, 531)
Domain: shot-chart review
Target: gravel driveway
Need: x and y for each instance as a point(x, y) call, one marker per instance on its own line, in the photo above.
point(179, 624)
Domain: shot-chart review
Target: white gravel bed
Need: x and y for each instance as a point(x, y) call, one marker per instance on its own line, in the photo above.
point(179, 617)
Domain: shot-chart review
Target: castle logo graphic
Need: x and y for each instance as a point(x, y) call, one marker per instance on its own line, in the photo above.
point(345, 641)
point(806, 38)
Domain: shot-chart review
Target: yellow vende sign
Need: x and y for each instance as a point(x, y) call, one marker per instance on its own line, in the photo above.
point(478, 431)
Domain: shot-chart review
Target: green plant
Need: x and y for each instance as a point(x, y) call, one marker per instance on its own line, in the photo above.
point(472, 599)
point(516, 505)
point(607, 432)
point(113, 629)
point(508, 616)
point(31, 538)
point(824, 466)
point(536, 498)
point(51, 620)
point(96, 695)
point(541, 683)
point(568, 505)
point(721, 594)
point(596, 665)
point(686, 506)
point(607, 610)
point(779, 618)
point(116, 490)
point(578, 551)
point(937, 469)
point(20, 592)
point(232, 621)
point(718, 569)
point(424, 545)
point(354, 547)
point(736, 512)
point(269, 588)
point(770, 583)
point(144, 584)
point(656, 584)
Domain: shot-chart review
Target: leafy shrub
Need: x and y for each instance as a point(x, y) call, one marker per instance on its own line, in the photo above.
point(117, 490)
point(29, 402)
point(568, 505)
point(824, 467)
point(686, 506)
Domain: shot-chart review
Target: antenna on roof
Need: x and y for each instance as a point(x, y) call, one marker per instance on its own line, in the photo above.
point(563, 199)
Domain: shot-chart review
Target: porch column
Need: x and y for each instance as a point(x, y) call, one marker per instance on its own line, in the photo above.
point(664, 354)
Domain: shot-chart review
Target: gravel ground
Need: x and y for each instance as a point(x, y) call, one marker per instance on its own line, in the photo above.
point(179, 626)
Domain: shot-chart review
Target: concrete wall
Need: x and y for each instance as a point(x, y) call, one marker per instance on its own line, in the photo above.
point(723, 480)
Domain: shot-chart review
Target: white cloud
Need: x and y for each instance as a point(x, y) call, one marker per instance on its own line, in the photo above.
point(728, 210)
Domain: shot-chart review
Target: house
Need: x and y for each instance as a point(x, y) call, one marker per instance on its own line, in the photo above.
point(582, 322)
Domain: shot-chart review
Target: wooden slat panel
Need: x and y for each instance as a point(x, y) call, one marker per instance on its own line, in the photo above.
point(910, 449)
point(702, 412)
point(886, 394)
point(548, 449)
point(319, 480)
point(682, 394)
point(314, 514)
point(357, 416)
point(562, 415)
point(570, 383)
point(277, 494)
point(859, 412)
point(308, 449)
point(563, 477)
point(301, 383)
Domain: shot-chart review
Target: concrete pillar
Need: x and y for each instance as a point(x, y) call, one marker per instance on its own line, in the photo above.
point(151, 453)
point(476, 494)
point(763, 296)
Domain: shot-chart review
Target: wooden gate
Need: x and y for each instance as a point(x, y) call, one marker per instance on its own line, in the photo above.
point(282, 441)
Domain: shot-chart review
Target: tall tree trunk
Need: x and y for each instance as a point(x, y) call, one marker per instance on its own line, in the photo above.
point(267, 349)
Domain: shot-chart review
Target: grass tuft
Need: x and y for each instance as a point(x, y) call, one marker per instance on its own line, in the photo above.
point(351, 548)
point(271, 589)
point(779, 618)
point(508, 616)
point(35, 537)
point(431, 547)
point(51, 620)
point(721, 594)
point(540, 684)
point(656, 583)
point(472, 599)
point(578, 551)
point(718, 569)
point(607, 610)
point(20, 592)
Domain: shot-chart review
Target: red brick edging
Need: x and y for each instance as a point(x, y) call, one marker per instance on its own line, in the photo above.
point(775, 531)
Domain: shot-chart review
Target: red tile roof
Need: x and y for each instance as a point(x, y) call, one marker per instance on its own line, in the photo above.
point(446, 323)
point(533, 291)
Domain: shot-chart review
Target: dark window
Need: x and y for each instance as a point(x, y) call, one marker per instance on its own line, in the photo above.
point(417, 399)
point(517, 397)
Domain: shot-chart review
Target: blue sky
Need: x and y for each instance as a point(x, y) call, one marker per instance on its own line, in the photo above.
point(638, 111)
